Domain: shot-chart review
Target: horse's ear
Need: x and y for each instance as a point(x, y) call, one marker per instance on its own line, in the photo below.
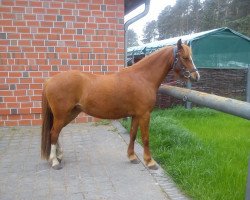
point(179, 44)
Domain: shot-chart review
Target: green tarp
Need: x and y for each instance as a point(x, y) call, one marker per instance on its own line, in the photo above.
point(218, 48)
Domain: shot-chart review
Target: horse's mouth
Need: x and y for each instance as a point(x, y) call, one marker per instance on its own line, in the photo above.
point(194, 77)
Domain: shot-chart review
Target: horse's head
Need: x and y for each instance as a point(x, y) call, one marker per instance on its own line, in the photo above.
point(183, 65)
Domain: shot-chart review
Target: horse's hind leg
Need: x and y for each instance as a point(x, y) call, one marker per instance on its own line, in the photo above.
point(55, 131)
point(144, 126)
point(58, 125)
point(59, 151)
point(133, 132)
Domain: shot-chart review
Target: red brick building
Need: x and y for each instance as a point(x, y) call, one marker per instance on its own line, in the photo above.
point(39, 39)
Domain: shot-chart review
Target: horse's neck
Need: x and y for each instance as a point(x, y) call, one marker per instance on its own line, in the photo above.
point(155, 67)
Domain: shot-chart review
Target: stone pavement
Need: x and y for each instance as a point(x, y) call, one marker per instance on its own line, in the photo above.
point(95, 167)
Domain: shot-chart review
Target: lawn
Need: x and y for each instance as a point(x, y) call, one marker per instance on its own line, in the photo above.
point(205, 152)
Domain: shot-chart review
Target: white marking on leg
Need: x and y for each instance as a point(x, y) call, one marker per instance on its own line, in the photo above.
point(59, 151)
point(52, 156)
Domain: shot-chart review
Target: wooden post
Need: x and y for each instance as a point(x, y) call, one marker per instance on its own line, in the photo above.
point(189, 103)
point(248, 183)
point(227, 105)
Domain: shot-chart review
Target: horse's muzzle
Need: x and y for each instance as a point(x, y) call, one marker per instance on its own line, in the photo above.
point(194, 76)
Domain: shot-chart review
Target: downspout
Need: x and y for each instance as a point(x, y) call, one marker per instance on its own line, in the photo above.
point(131, 21)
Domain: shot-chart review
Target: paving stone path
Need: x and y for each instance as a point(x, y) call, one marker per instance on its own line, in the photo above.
point(95, 167)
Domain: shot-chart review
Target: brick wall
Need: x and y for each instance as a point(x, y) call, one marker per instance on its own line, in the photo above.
point(39, 39)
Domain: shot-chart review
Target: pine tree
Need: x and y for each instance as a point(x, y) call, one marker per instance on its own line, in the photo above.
point(150, 32)
point(190, 16)
point(132, 38)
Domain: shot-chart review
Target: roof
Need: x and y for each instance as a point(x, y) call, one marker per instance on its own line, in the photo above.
point(150, 47)
point(132, 4)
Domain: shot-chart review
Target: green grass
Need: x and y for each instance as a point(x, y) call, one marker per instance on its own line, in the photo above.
point(205, 152)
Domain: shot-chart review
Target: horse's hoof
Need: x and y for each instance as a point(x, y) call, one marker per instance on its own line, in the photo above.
point(152, 165)
point(59, 160)
point(57, 167)
point(133, 159)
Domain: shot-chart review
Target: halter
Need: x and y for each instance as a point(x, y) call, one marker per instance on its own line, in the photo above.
point(184, 72)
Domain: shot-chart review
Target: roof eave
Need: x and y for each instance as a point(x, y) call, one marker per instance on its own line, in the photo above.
point(130, 5)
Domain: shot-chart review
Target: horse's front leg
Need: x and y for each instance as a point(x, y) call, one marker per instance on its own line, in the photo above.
point(144, 126)
point(133, 132)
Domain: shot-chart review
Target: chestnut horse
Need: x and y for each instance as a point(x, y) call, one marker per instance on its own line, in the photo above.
point(130, 92)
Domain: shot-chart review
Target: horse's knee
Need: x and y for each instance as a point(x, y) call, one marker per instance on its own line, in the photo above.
point(145, 140)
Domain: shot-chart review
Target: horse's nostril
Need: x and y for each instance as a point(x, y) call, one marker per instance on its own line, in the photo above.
point(197, 78)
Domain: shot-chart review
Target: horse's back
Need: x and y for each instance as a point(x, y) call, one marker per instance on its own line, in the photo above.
point(115, 96)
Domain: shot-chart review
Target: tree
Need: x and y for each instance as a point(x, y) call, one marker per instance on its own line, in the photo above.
point(150, 32)
point(132, 38)
point(182, 18)
point(195, 13)
point(215, 13)
point(190, 16)
point(165, 25)
point(242, 25)
point(240, 9)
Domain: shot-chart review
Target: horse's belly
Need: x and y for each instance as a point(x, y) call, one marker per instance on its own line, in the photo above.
point(107, 110)
point(107, 114)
